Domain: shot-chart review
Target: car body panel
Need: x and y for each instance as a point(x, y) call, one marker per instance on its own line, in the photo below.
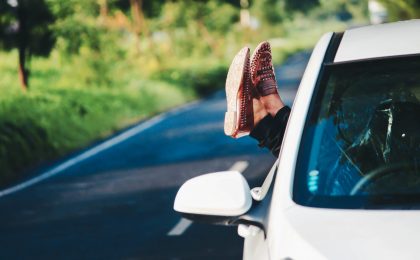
point(391, 39)
point(351, 234)
point(282, 194)
point(254, 246)
point(298, 232)
point(291, 231)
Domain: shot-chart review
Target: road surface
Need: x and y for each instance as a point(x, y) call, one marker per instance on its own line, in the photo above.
point(114, 201)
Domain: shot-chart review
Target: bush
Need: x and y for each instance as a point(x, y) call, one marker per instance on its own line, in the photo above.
point(201, 79)
point(20, 141)
point(104, 74)
point(39, 126)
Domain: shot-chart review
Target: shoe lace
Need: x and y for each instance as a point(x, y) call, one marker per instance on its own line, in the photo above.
point(266, 70)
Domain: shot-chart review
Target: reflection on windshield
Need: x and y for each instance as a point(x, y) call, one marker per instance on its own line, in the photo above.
point(363, 136)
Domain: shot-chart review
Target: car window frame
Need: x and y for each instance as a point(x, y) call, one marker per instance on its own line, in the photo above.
point(302, 196)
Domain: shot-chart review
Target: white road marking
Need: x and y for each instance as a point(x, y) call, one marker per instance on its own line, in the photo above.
point(239, 166)
point(180, 227)
point(96, 149)
point(183, 223)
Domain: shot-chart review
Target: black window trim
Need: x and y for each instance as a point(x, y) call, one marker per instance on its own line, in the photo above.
point(375, 60)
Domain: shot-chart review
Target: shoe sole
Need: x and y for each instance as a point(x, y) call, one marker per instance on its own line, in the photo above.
point(234, 82)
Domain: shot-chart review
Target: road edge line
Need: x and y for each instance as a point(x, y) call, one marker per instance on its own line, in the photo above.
point(97, 149)
point(179, 229)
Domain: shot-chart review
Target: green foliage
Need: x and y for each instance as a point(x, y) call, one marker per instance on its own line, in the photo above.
point(301, 5)
point(271, 11)
point(113, 65)
point(25, 26)
point(29, 22)
point(76, 25)
point(402, 9)
point(51, 121)
point(202, 79)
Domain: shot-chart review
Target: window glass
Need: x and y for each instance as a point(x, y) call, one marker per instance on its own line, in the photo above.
point(361, 143)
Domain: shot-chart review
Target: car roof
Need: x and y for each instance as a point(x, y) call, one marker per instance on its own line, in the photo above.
point(375, 41)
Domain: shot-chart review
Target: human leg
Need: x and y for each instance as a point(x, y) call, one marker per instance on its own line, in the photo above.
point(254, 105)
point(270, 130)
point(244, 110)
point(264, 78)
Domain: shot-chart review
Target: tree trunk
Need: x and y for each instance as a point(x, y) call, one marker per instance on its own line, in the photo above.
point(244, 15)
point(103, 10)
point(22, 45)
point(139, 22)
point(23, 73)
point(138, 17)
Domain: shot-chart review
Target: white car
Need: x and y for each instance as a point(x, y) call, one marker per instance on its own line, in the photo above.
point(347, 181)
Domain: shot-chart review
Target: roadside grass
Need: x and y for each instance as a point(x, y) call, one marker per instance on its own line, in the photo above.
point(51, 120)
point(75, 101)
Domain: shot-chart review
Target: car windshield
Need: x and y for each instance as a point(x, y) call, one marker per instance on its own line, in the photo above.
point(361, 143)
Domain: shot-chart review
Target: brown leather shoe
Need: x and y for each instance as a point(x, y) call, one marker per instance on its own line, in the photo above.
point(239, 118)
point(262, 71)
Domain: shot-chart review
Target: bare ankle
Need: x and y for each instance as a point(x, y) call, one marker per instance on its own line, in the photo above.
point(272, 103)
point(259, 111)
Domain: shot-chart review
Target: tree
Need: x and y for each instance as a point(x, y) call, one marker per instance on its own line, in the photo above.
point(300, 5)
point(24, 24)
point(402, 9)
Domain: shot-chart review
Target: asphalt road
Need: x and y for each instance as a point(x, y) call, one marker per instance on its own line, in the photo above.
point(115, 201)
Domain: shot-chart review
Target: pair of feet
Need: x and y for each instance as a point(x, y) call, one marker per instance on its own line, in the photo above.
point(251, 90)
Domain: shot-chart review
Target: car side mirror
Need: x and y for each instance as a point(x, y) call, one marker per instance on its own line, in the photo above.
point(214, 197)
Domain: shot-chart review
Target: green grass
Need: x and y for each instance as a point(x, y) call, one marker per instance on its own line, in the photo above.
point(75, 101)
point(54, 118)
